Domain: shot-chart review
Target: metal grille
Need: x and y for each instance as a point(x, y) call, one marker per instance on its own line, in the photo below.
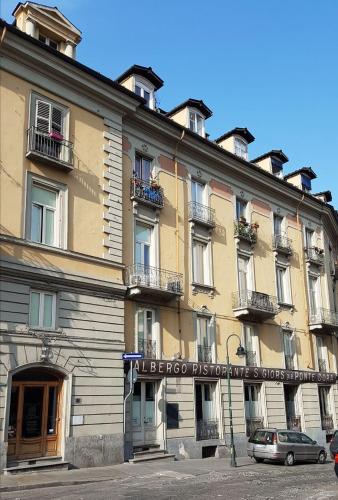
point(245, 231)
point(289, 362)
point(251, 359)
point(148, 192)
point(201, 213)
point(154, 277)
point(204, 353)
point(327, 423)
point(147, 348)
point(324, 316)
point(207, 429)
point(48, 146)
point(282, 243)
point(315, 255)
point(322, 365)
point(255, 300)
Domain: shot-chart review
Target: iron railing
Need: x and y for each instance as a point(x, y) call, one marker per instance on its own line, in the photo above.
point(154, 277)
point(147, 192)
point(289, 362)
point(315, 255)
point(327, 423)
point(324, 316)
point(49, 147)
point(255, 300)
point(252, 424)
point(207, 429)
point(322, 366)
point(147, 348)
point(293, 423)
point(282, 243)
point(201, 213)
point(245, 231)
point(251, 359)
point(204, 353)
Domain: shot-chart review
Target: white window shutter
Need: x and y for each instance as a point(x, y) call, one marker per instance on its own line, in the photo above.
point(42, 116)
point(57, 119)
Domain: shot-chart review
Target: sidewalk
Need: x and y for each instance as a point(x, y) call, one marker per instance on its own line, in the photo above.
point(181, 468)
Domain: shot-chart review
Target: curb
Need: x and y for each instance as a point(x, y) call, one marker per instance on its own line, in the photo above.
point(52, 484)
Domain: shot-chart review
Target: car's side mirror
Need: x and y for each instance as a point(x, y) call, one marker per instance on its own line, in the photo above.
point(314, 442)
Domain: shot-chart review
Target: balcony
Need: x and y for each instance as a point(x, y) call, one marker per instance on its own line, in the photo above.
point(289, 362)
point(148, 193)
point(204, 353)
point(50, 148)
point(252, 424)
point(251, 359)
point(294, 423)
point(152, 282)
point(147, 348)
point(201, 214)
point(207, 429)
point(315, 255)
point(245, 231)
point(327, 423)
point(282, 244)
point(256, 305)
point(323, 321)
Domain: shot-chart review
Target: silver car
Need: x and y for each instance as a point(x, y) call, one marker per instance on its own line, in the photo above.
point(284, 446)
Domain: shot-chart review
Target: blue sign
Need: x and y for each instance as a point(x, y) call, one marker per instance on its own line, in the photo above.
point(130, 356)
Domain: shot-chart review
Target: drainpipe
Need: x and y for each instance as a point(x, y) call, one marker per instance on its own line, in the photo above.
point(177, 236)
point(3, 34)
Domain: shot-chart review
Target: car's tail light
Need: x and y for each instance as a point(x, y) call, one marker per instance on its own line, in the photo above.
point(336, 458)
point(274, 438)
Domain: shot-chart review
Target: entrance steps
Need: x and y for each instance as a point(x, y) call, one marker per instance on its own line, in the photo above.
point(48, 464)
point(150, 453)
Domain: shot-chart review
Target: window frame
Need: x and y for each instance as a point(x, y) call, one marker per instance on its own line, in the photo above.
point(285, 282)
point(61, 212)
point(195, 182)
point(141, 157)
point(246, 326)
point(42, 294)
point(290, 335)
point(206, 262)
point(34, 97)
point(196, 115)
point(239, 142)
point(145, 86)
point(210, 333)
point(154, 327)
point(240, 202)
point(48, 39)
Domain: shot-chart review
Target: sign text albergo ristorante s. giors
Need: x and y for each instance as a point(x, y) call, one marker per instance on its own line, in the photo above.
point(155, 367)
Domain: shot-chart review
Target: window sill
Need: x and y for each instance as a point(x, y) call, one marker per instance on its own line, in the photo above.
point(284, 305)
point(47, 331)
point(203, 288)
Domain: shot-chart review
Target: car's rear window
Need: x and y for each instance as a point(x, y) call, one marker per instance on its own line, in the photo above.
point(262, 437)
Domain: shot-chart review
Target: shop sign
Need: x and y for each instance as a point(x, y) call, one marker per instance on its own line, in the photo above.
point(154, 367)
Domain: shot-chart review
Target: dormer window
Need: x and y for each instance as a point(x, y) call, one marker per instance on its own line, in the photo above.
point(306, 184)
point(146, 92)
point(196, 122)
point(277, 167)
point(48, 41)
point(241, 148)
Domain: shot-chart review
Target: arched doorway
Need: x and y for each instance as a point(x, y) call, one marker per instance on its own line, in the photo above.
point(34, 414)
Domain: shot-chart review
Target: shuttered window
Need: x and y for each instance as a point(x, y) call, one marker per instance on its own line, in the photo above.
point(48, 117)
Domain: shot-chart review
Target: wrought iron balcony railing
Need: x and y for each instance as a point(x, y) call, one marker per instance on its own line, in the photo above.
point(147, 348)
point(204, 353)
point(251, 299)
point(252, 424)
point(282, 243)
point(149, 193)
point(315, 255)
point(289, 362)
point(324, 317)
point(50, 148)
point(251, 359)
point(207, 429)
point(245, 231)
point(322, 365)
point(201, 213)
point(293, 423)
point(154, 278)
point(327, 423)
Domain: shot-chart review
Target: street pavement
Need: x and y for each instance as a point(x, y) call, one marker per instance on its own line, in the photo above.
point(187, 479)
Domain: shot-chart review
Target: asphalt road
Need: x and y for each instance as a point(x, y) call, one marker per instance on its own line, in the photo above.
point(248, 482)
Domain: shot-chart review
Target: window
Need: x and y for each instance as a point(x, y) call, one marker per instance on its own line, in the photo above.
point(309, 237)
point(48, 41)
point(322, 355)
point(241, 148)
point(289, 349)
point(283, 295)
point(313, 295)
point(250, 344)
point(146, 341)
point(196, 123)
point(241, 208)
point(277, 225)
point(205, 339)
point(143, 168)
point(324, 401)
point(143, 235)
point(45, 220)
point(277, 167)
point(201, 262)
point(42, 309)
point(244, 278)
point(48, 116)
point(197, 192)
point(146, 92)
point(206, 420)
point(306, 183)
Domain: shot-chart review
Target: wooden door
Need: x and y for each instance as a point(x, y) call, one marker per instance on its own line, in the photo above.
point(33, 429)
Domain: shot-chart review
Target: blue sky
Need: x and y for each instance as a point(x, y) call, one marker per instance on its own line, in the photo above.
point(267, 65)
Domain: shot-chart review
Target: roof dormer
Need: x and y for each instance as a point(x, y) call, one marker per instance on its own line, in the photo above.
point(301, 178)
point(191, 114)
point(324, 196)
point(272, 162)
point(143, 81)
point(236, 141)
point(48, 25)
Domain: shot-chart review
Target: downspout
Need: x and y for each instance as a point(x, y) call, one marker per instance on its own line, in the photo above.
point(177, 238)
point(3, 34)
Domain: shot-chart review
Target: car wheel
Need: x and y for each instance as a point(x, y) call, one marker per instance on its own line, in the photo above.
point(289, 459)
point(321, 457)
point(259, 460)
